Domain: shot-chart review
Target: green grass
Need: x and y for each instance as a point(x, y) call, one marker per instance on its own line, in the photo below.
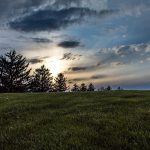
point(75, 121)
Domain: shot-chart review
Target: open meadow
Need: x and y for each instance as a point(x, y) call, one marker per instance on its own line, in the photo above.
point(75, 121)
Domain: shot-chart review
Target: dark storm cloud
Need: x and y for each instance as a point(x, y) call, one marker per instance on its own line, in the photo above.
point(70, 56)
point(69, 44)
point(50, 19)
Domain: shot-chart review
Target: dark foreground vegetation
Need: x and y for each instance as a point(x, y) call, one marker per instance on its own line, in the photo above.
point(75, 121)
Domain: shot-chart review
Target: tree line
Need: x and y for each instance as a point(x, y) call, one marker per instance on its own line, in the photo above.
point(15, 77)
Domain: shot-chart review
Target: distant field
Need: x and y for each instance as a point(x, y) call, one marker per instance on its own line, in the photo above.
point(75, 121)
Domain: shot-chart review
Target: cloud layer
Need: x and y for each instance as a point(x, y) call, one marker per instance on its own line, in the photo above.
point(48, 19)
point(71, 56)
point(85, 38)
point(69, 44)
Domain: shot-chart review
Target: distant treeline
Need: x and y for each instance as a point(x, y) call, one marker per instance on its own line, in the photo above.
point(15, 77)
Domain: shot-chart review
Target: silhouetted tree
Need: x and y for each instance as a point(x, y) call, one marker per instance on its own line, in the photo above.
point(60, 83)
point(91, 87)
point(119, 88)
point(41, 80)
point(14, 72)
point(75, 88)
point(83, 87)
point(2, 87)
point(109, 88)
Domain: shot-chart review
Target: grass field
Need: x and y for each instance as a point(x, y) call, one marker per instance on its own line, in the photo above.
point(75, 121)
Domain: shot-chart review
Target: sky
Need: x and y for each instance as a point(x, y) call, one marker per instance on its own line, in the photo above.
point(106, 42)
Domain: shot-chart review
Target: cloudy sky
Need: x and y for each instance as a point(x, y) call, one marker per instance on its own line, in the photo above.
point(99, 41)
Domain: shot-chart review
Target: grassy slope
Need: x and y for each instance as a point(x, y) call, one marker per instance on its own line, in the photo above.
point(111, 120)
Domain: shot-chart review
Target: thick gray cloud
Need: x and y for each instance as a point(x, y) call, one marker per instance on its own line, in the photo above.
point(49, 19)
point(85, 68)
point(35, 39)
point(70, 56)
point(11, 9)
point(15, 8)
point(75, 69)
point(133, 53)
point(69, 44)
point(35, 60)
point(125, 54)
point(41, 40)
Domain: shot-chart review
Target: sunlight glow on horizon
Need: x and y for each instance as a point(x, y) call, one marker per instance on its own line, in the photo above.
point(54, 65)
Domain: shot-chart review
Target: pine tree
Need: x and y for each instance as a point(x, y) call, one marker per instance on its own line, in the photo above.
point(109, 88)
point(60, 83)
point(91, 87)
point(14, 72)
point(41, 80)
point(83, 87)
point(119, 88)
point(75, 88)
